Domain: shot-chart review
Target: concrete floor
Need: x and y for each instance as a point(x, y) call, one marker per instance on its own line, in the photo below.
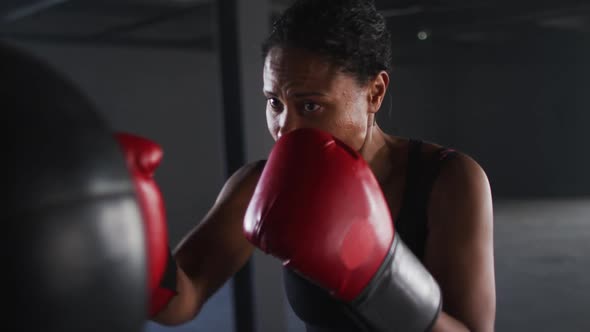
point(542, 271)
point(543, 265)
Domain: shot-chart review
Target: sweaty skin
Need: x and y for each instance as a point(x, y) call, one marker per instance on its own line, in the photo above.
point(304, 90)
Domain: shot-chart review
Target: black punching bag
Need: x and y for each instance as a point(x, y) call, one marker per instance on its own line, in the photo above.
point(74, 254)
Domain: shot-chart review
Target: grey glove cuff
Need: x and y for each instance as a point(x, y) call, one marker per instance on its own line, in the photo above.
point(402, 296)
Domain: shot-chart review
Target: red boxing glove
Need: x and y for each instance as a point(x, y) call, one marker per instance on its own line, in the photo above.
point(143, 157)
point(319, 208)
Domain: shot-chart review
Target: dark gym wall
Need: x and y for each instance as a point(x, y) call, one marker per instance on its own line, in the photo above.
point(524, 118)
point(526, 122)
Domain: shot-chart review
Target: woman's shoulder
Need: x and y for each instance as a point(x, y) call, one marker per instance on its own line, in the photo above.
point(423, 151)
point(435, 151)
point(458, 173)
point(450, 165)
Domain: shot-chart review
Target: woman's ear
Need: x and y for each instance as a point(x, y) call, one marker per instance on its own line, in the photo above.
point(377, 90)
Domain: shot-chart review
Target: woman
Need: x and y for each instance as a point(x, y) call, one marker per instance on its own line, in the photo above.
point(327, 66)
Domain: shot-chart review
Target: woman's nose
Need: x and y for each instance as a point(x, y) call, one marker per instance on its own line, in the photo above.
point(289, 121)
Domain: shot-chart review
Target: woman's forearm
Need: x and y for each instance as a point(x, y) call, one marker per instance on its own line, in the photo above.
point(447, 323)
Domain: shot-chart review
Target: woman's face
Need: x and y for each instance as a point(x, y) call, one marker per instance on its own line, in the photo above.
point(305, 91)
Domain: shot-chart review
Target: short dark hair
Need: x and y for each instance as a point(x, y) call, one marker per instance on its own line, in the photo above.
point(349, 33)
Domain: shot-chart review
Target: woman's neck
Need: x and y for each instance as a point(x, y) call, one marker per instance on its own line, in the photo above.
point(377, 152)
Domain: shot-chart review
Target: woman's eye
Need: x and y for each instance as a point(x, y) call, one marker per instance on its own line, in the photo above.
point(274, 103)
point(311, 107)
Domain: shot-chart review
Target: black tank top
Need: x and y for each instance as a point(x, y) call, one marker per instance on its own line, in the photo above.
point(314, 306)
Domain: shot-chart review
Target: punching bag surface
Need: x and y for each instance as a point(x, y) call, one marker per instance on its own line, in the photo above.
point(74, 251)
